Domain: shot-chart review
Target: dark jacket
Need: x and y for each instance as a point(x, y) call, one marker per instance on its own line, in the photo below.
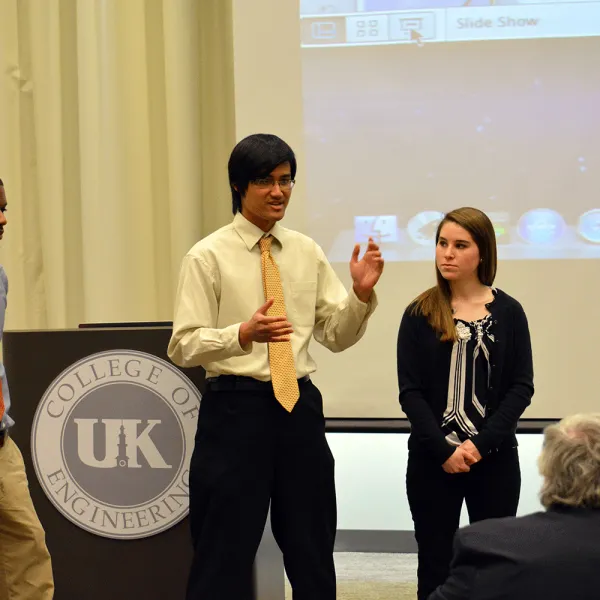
point(424, 370)
point(553, 555)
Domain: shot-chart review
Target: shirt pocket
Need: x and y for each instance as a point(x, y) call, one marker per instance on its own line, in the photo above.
point(304, 301)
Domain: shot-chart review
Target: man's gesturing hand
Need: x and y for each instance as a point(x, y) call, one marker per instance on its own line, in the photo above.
point(263, 328)
point(366, 271)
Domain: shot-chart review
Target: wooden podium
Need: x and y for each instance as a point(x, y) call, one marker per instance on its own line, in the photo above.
point(86, 565)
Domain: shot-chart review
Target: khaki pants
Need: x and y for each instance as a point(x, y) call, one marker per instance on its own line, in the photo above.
point(25, 567)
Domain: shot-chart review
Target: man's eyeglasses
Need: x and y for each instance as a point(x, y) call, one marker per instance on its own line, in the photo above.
point(285, 183)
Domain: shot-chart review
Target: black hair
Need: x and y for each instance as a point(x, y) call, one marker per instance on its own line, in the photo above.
point(254, 157)
point(1, 183)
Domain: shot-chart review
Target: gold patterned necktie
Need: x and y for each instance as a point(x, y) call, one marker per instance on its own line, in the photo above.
point(281, 357)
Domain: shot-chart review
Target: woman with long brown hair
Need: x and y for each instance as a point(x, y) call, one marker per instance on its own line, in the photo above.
point(465, 376)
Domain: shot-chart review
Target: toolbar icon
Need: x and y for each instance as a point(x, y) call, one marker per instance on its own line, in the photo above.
point(323, 30)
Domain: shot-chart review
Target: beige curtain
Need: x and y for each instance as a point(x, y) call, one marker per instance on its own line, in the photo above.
point(116, 122)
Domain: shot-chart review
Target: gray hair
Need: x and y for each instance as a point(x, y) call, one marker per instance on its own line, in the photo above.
point(570, 462)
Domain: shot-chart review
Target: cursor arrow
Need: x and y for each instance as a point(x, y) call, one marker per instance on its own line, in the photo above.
point(415, 36)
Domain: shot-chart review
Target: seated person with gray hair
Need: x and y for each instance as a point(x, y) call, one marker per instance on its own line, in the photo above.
point(550, 555)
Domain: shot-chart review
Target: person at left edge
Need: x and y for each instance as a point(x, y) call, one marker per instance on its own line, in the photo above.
point(253, 449)
point(25, 563)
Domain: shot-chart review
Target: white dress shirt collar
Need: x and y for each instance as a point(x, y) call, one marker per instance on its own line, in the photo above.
point(251, 234)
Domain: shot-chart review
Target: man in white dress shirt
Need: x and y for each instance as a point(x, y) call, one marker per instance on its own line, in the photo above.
point(250, 297)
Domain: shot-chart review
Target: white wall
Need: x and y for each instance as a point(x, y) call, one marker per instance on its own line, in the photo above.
point(370, 473)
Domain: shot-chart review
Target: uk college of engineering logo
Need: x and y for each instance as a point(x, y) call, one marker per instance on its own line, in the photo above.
point(112, 440)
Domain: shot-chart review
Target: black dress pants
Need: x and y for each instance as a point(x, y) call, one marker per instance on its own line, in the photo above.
point(249, 453)
point(491, 489)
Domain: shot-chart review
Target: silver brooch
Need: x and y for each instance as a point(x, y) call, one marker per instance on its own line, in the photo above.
point(463, 332)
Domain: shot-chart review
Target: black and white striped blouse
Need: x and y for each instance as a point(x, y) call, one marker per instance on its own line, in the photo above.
point(469, 381)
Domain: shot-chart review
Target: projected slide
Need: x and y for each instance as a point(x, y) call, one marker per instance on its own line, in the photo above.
point(412, 108)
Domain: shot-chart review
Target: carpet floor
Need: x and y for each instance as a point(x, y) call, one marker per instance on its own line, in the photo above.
point(370, 590)
point(366, 576)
